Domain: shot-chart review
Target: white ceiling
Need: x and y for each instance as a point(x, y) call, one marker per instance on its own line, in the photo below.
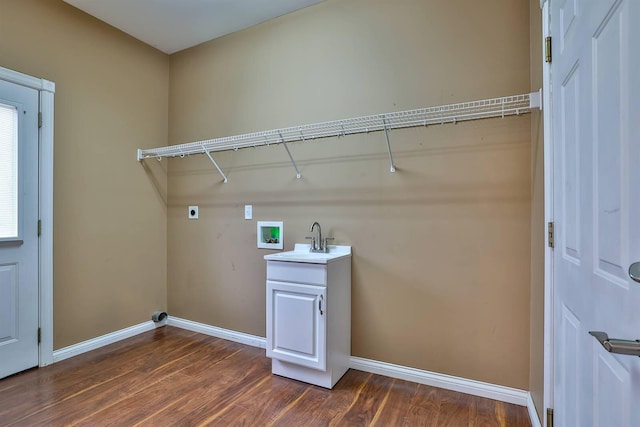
point(174, 25)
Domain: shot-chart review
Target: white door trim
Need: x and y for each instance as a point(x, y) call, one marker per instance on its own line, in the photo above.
point(45, 173)
point(548, 215)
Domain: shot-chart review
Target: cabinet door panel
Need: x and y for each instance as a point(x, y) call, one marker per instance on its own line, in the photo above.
point(296, 322)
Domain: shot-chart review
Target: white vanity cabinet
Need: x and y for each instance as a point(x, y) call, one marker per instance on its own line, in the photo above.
point(309, 315)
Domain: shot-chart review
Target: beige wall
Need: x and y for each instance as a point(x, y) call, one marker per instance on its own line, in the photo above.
point(536, 369)
point(441, 265)
point(109, 211)
point(441, 248)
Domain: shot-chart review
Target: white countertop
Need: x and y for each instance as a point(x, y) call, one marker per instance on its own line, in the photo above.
point(301, 253)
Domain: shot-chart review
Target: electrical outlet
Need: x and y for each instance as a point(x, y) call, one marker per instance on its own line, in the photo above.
point(248, 212)
point(193, 212)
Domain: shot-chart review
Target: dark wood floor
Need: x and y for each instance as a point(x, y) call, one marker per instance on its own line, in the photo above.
point(170, 376)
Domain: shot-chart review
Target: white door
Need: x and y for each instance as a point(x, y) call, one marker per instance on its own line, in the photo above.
point(596, 136)
point(296, 324)
point(18, 228)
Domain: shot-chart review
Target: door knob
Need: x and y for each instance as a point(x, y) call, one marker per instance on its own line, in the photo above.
point(634, 271)
point(614, 345)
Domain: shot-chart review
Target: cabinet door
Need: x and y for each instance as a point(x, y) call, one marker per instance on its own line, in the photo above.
point(296, 323)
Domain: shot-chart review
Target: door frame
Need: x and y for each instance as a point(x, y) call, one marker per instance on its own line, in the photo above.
point(547, 112)
point(46, 90)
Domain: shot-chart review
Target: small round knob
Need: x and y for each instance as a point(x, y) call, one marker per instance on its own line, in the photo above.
point(634, 271)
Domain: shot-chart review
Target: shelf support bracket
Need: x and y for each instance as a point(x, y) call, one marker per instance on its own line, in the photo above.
point(215, 164)
point(290, 156)
point(535, 99)
point(386, 134)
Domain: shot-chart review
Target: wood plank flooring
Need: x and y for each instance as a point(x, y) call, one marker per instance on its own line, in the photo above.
point(174, 377)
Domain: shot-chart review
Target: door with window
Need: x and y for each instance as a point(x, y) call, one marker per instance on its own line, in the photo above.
point(596, 137)
point(18, 228)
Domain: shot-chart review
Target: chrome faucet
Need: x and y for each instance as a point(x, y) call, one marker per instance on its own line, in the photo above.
point(315, 248)
point(321, 245)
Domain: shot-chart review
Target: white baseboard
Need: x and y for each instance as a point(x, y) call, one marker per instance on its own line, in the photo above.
point(239, 337)
point(462, 385)
point(95, 343)
point(533, 414)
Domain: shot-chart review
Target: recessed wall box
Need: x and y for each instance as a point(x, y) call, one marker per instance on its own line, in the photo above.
point(270, 234)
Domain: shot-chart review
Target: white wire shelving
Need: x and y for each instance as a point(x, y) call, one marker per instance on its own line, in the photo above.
point(452, 113)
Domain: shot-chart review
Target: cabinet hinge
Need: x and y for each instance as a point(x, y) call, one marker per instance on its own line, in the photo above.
point(550, 234)
point(39, 335)
point(39, 227)
point(549, 417)
point(547, 49)
point(39, 120)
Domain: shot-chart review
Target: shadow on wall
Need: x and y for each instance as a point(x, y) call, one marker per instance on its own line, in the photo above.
point(157, 174)
point(473, 161)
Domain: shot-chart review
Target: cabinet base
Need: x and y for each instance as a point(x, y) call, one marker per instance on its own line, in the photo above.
point(326, 379)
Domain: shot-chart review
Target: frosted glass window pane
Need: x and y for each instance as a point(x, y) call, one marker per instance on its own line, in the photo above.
point(8, 171)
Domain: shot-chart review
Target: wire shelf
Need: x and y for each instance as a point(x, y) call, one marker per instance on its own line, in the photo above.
point(452, 113)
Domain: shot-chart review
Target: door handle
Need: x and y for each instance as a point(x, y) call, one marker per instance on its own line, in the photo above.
point(614, 345)
point(320, 305)
point(634, 271)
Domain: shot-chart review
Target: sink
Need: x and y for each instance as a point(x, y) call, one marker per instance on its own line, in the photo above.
point(301, 253)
